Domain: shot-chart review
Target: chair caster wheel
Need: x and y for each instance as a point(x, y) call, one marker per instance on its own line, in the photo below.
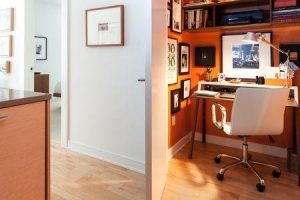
point(260, 187)
point(276, 174)
point(220, 177)
point(217, 160)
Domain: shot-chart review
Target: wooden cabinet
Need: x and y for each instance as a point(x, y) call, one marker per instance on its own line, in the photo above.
point(41, 82)
point(24, 152)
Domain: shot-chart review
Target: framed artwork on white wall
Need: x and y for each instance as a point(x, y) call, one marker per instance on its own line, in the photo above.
point(6, 46)
point(40, 48)
point(6, 19)
point(105, 26)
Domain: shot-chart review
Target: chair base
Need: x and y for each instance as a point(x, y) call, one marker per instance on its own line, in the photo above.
point(247, 162)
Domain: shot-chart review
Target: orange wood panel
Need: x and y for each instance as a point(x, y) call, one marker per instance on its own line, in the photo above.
point(183, 126)
point(22, 152)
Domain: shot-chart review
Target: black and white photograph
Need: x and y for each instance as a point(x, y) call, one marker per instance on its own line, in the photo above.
point(175, 101)
point(184, 58)
point(245, 56)
point(186, 89)
point(176, 25)
point(40, 48)
point(172, 61)
point(244, 60)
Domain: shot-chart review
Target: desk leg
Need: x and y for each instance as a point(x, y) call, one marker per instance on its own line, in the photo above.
point(204, 121)
point(194, 129)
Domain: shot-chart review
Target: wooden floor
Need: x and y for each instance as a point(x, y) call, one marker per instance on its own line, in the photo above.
point(196, 178)
point(79, 177)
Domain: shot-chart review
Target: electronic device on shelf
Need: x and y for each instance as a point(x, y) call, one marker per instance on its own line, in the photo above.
point(246, 17)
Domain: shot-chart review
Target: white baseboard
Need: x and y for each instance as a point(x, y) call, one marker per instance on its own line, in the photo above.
point(110, 157)
point(178, 146)
point(228, 142)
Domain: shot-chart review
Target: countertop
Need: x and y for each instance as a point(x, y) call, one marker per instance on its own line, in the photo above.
point(11, 97)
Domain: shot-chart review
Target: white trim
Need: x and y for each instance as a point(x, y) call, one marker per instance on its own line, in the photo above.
point(110, 157)
point(228, 142)
point(178, 146)
point(65, 73)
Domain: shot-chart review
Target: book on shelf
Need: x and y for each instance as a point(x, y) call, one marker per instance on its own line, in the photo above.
point(278, 4)
point(196, 19)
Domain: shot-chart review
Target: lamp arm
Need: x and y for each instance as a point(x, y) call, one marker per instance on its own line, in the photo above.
point(262, 38)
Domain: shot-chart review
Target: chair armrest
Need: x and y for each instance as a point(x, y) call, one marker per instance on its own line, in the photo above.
point(221, 124)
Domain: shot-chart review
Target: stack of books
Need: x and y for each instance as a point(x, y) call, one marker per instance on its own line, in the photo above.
point(286, 15)
point(286, 11)
point(196, 19)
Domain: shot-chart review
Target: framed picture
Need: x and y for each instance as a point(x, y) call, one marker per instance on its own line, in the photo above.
point(6, 46)
point(40, 48)
point(185, 89)
point(242, 60)
point(6, 19)
point(184, 58)
point(294, 53)
point(175, 101)
point(105, 26)
point(205, 56)
point(168, 18)
point(172, 61)
point(176, 25)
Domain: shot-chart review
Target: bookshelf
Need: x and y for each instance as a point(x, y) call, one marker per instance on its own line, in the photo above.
point(218, 9)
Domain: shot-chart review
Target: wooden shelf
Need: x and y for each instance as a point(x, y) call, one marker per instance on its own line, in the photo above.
point(221, 3)
point(245, 27)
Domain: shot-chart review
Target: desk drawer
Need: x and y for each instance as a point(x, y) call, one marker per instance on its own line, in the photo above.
point(23, 152)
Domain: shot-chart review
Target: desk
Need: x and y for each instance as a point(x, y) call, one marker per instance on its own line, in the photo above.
point(293, 102)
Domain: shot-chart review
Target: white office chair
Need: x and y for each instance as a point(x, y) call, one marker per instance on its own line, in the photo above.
point(256, 111)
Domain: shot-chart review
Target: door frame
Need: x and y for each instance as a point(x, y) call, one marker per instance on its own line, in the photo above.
point(65, 73)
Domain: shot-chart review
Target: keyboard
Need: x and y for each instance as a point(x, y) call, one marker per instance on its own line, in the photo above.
point(227, 95)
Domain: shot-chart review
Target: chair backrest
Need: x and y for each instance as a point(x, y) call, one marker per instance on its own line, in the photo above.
point(259, 111)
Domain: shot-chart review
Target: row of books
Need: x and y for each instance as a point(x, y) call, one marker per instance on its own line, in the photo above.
point(196, 19)
point(283, 4)
point(287, 15)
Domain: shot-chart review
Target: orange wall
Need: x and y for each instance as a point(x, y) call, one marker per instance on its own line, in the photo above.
point(184, 118)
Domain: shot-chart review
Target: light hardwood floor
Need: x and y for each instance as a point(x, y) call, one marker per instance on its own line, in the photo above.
point(79, 177)
point(196, 178)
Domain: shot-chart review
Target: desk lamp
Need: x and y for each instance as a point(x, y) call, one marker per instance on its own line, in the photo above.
point(253, 38)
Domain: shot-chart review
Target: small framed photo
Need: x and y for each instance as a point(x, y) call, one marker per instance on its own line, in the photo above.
point(6, 46)
point(105, 26)
point(6, 19)
point(176, 25)
point(186, 89)
point(175, 101)
point(294, 53)
point(40, 48)
point(184, 58)
point(172, 61)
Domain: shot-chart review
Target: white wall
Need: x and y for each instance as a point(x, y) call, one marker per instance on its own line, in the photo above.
point(107, 104)
point(15, 79)
point(48, 24)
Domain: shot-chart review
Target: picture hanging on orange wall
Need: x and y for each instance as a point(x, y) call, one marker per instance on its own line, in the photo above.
point(184, 58)
point(185, 89)
point(175, 101)
point(176, 25)
point(172, 61)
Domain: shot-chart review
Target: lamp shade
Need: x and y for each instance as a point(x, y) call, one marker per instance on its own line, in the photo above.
point(251, 38)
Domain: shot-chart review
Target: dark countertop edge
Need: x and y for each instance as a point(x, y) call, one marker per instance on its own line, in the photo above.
point(25, 100)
